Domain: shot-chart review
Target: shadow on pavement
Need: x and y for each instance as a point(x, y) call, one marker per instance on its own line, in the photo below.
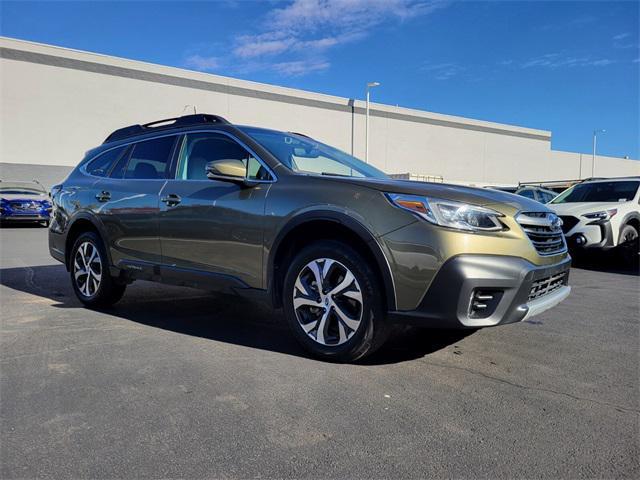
point(20, 224)
point(217, 317)
point(606, 261)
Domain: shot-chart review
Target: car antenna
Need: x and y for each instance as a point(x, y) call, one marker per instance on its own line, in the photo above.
point(187, 106)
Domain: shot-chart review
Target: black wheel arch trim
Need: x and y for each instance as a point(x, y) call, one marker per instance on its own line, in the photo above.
point(342, 219)
point(86, 216)
point(625, 221)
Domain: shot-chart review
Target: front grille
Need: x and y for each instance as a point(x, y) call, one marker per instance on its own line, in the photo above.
point(568, 222)
point(544, 230)
point(24, 206)
point(545, 286)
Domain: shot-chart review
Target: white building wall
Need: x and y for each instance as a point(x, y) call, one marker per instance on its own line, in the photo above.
point(579, 165)
point(57, 103)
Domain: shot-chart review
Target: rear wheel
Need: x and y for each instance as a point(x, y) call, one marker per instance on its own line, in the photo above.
point(90, 273)
point(333, 303)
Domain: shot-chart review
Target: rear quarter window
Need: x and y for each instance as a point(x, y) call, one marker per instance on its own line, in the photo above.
point(527, 193)
point(103, 163)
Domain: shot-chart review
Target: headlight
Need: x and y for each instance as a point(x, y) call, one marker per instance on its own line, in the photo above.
point(447, 213)
point(603, 215)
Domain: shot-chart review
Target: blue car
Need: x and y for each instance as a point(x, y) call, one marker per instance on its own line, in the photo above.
point(24, 202)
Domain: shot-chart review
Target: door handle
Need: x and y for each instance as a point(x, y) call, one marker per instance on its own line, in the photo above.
point(171, 200)
point(103, 196)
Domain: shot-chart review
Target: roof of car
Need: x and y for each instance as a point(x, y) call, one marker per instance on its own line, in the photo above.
point(613, 179)
point(534, 187)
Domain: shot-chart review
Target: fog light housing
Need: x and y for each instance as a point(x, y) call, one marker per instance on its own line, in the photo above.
point(484, 301)
point(581, 240)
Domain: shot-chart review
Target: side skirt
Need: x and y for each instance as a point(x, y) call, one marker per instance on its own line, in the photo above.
point(130, 270)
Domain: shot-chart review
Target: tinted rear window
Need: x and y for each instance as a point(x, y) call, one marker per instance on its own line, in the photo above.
point(102, 164)
point(150, 159)
point(527, 193)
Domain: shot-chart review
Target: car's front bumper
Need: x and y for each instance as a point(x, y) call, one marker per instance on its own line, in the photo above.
point(510, 288)
point(25, 217)
point(596, 234)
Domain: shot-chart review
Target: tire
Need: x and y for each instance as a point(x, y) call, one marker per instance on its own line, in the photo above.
point(95, 287)
point(344, 326)
point(628, 245)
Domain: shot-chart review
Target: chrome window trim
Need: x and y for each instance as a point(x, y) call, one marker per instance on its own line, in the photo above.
point(183, 134)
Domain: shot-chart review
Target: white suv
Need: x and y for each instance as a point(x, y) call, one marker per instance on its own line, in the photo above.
point(601, 214)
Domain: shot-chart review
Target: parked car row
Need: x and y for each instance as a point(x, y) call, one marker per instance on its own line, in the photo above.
point(597, 214)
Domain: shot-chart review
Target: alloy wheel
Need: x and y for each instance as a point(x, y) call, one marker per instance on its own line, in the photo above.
point(87, 269)
point(630, 236)
point(327, 301)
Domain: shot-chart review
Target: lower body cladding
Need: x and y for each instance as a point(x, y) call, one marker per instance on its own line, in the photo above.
point(472, 291)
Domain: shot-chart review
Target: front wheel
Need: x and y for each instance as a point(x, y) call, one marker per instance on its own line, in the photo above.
point(333, 302)
point(92, 283)
point(628, 245)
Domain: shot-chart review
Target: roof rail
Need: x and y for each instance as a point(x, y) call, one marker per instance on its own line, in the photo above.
point(301, 134)
point(167, 123)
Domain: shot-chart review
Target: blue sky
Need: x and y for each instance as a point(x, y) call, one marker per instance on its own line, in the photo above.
point(568, 67)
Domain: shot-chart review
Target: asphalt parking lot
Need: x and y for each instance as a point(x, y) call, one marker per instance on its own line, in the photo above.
point(173, 382)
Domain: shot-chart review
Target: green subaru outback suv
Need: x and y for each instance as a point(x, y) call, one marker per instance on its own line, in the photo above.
point(345, 251)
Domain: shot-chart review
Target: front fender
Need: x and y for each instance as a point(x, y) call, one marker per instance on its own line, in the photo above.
point(344, 218)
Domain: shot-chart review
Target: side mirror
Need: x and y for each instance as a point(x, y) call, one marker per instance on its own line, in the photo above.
point(228, 170)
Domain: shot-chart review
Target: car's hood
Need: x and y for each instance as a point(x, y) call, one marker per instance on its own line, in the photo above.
point(502, 202)
point(579, 208)
point(23, 196)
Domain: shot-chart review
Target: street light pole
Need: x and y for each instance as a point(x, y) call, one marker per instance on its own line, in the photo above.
point(593, 158)
point(366, 128)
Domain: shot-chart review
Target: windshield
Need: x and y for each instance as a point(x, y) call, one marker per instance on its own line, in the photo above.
point(305, 155)
point(20, 189)
point(599, 192)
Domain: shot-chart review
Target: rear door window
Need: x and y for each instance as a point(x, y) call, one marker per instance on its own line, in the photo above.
point(102, 164)
point(120, 166)
point(150, 159)
point(527, 193)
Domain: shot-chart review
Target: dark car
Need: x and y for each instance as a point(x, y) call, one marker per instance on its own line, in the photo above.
point(24, 202)
point(343, 249)
point(538, 194)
